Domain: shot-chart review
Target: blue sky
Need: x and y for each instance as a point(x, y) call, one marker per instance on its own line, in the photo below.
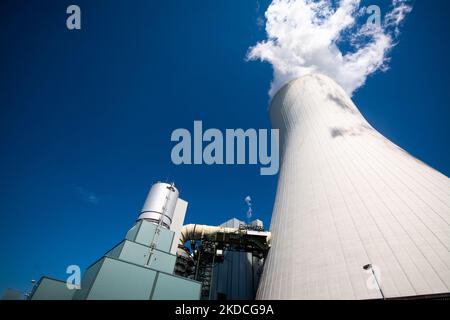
point(86, 116)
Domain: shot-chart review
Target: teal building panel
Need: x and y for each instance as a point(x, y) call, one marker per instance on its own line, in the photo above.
point(162, 261)
point(169, 287)
point(136, 253)
point(115, 252)
point(52, 289)
point(131, 234)
point(119, 280)
point(123, 273)
point(88, 279)
point(143, 232)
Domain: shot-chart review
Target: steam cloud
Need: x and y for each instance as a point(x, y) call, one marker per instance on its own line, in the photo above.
point(306, 36)
point(248, 201)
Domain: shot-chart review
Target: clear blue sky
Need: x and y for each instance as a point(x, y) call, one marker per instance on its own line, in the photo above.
point(86, 116)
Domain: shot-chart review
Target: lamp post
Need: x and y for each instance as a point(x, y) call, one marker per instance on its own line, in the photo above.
point(369, 266)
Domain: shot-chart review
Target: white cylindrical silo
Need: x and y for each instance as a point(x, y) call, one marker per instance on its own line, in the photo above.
point(160, 204)
point(348, 197)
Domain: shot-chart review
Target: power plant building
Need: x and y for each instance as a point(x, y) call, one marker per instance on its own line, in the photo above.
point(155, 262)
point(355, 217)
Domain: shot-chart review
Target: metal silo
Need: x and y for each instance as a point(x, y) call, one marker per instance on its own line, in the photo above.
point(160, 204)
point(355, 216)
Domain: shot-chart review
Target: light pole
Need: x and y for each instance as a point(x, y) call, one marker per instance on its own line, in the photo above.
point(369, 266)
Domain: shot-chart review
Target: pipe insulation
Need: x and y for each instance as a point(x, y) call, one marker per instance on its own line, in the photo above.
point(204, 232)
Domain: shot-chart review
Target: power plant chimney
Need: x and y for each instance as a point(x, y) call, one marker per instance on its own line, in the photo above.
point(348, 198)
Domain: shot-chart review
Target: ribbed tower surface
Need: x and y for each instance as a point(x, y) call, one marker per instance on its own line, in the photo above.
point(347, 197)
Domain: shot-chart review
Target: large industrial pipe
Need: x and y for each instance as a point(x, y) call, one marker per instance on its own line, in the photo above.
point(202, 232)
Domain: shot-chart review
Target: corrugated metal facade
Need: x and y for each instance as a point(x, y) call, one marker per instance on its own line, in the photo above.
point(237, 277)
point(348, 197)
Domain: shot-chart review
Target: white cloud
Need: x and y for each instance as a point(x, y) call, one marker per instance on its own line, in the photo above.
point(305, 36)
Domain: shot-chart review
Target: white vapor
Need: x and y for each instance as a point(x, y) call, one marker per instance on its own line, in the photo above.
point(248, 201)
point(305, 36)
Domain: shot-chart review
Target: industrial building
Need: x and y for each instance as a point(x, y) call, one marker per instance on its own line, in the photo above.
point(160, 259)
point(351, 206)
point(355, 217)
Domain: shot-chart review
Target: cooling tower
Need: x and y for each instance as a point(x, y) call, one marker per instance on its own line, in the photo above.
point(348, 197)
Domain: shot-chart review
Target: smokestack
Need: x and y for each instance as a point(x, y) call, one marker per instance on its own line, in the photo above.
point(347, 197)
point(160, 204)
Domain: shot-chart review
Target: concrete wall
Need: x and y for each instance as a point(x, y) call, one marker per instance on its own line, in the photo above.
point(347, 197)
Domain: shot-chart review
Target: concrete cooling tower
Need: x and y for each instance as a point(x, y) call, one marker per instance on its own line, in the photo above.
point(347, 197)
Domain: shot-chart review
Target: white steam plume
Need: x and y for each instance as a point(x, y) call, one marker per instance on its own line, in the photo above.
point(248, 201)
point(306, 36)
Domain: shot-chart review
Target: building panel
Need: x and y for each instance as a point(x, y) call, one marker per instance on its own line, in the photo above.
point(348, 197)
